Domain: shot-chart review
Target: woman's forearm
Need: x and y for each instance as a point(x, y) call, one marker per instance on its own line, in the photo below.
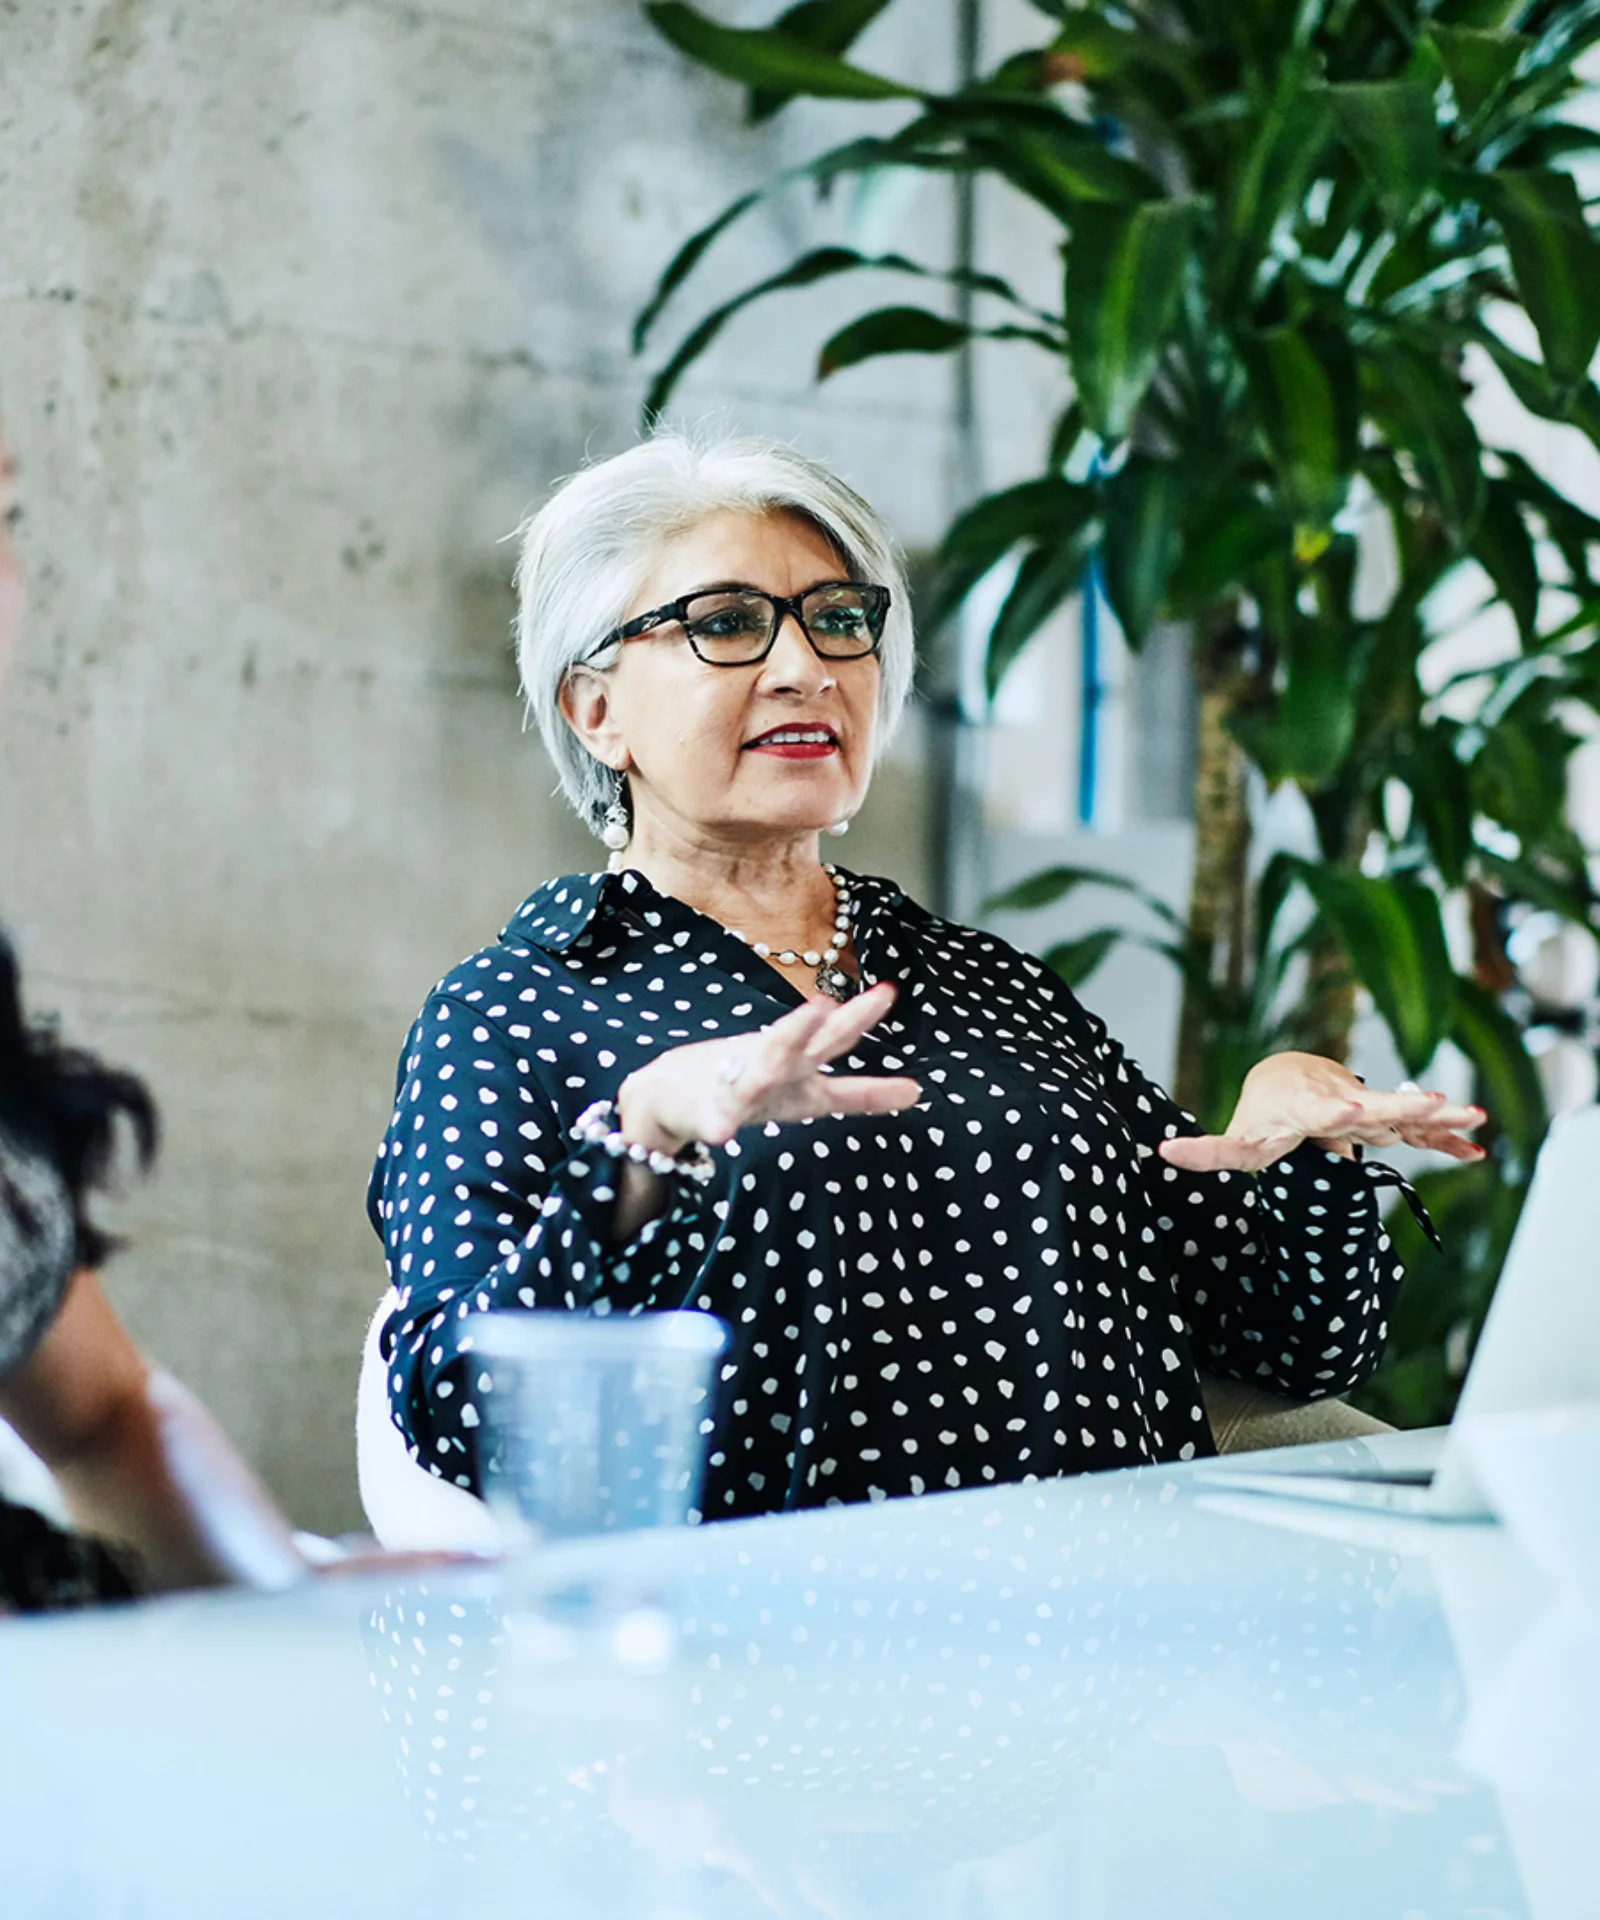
point(140, 1460)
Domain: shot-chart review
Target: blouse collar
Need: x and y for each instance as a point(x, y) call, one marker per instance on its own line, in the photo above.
point(558, 914)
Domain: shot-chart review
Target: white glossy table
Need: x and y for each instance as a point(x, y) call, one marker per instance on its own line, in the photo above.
point(1108, 1698)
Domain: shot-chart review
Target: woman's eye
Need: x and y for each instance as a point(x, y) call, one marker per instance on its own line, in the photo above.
point(730, 624)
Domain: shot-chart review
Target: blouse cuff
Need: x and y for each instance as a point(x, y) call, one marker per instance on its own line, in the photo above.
point(588, 1183)
point(1299, 1174)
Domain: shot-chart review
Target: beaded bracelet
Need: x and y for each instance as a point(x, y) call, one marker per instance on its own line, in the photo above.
point(596, 1127)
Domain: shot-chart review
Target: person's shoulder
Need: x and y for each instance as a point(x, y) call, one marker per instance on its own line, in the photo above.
point(512, 970)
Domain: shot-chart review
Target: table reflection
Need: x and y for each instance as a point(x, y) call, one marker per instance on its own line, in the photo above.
point(1095, 1698)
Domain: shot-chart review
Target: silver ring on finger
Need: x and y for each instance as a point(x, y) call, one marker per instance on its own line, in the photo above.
point(731, 1072)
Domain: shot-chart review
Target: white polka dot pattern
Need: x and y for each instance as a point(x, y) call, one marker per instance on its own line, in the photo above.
point(1002, 1283)
point(876, 1698)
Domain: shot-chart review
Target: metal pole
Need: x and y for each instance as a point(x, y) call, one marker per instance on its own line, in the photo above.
point(959, 737)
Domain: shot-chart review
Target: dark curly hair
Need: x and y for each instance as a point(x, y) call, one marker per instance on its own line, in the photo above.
point(61, 1101)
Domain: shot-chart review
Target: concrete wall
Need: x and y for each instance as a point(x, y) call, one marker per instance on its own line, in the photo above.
point(300, 306)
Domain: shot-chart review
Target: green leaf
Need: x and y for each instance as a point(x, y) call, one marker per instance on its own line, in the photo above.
point(1504, 548)
point(1229, 536)
point(1489, 1037)
point(1125, 272)
point(1055, 883)
point(1041, 512)
point(684, 262)
point(1061, 166)
point(831, 26)
point(1556, 262)
point(1316, 718)
point(1142, 506)
point(1563, 891)
point(1538, 392)
point(764, 58)
point(853, 156)
point(1074, 960)
point(1393, 935)
point(1267, 184)
point(1441, 800)
point(1478, 62)
point(1046, 577)
point(1547, 146)
point(1573, 531)
point(1106, 50)
point(1491, 16)
point(890, 330)
point(1305, 397)
point(821, 264)
point(1390, 129)
point(1421, 407)
point(1519, 776)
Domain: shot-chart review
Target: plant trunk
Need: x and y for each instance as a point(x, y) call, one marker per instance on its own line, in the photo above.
point(1330, 1015)
point(1218, 904)
point(1344, 823)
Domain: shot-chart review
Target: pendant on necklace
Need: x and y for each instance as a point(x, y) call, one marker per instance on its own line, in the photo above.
point(836, 983)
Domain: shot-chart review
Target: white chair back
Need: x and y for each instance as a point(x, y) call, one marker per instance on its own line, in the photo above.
point(409, 1509)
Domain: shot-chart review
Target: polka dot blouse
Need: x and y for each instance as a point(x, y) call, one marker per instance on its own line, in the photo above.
point(1001, 1283)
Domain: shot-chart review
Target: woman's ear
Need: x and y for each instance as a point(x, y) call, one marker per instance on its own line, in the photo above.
point(587, 708)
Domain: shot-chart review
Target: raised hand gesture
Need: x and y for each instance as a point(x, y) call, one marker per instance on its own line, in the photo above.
point(711, 1088)
point(1292, 1097)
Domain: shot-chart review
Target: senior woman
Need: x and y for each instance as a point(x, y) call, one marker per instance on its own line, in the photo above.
point(957, 1235)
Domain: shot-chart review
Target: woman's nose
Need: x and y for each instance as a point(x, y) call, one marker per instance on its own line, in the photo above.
point(793, 661)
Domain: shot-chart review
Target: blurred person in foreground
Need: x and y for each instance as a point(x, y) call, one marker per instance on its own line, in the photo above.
point(161, 1497)
point(958, 1236)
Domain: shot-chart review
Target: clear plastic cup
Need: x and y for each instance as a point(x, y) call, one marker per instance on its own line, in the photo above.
point(593, 1424)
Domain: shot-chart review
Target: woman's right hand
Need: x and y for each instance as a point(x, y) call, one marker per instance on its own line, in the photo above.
point(709, 1089)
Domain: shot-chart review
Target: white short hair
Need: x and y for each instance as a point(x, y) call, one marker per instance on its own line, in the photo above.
point(587, 552)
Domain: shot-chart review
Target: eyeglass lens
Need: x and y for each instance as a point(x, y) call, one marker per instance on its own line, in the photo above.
point(738, 624)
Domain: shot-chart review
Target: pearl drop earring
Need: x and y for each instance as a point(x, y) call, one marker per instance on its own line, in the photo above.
point(838, 829)
point(615, 832)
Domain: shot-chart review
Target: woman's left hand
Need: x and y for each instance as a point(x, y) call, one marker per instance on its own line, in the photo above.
point(1289, 1098)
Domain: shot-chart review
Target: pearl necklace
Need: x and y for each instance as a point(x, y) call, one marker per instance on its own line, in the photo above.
point(831, 977)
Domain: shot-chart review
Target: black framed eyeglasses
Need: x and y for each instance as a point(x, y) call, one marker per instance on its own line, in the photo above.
point(737, 626)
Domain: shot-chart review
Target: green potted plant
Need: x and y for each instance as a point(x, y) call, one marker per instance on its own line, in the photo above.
point(1295, 240)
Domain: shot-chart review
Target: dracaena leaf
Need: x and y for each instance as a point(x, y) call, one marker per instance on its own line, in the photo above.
point(1046, 577)
point(1489, 1037)
point(1229, 535)
point(1072, 961)
point(766, 58)
point(1317, 707)
point(1126, 267)
point(1479, 63)
point(822, 263)
point(1421, 408)
point(1503, 546)
point(1305, 397)
point(831, 26)
point(1556, 261)
point(1053, 884)
point(890, 330)
point(1143, 507)
point(1392, 932)
point(1037, 512)
point(1390, 128)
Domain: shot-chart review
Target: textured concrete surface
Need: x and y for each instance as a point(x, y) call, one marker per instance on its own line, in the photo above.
point(300, 306)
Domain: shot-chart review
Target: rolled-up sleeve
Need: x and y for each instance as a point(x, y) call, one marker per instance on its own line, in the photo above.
point(484, 1201)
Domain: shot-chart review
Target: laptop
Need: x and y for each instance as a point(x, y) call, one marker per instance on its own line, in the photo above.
point(1540, 1347)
